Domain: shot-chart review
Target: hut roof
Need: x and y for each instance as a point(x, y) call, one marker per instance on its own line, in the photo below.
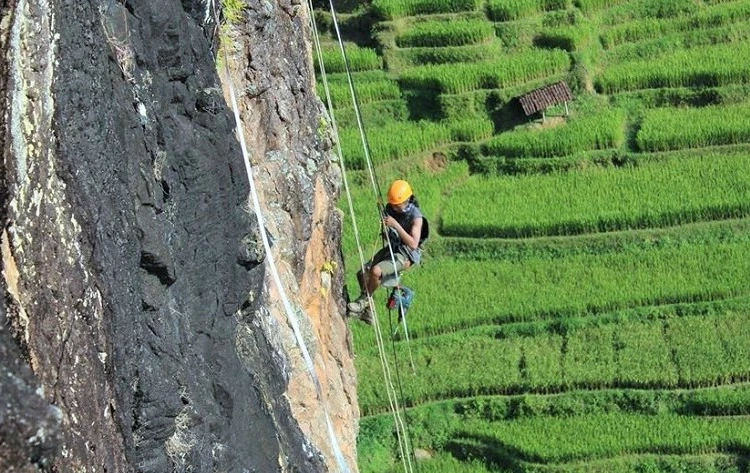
point(541, 98)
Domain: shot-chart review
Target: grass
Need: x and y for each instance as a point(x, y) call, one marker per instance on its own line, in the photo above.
point(582, 304)
point(660, 193)
point(629, 351)
point(232, 13)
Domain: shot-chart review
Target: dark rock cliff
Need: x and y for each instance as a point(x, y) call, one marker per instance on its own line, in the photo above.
point(140, 331)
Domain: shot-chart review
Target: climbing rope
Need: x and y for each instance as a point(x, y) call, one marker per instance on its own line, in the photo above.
point(368, 159)
point(290, 312)
point(390, 391)
point(401, 430)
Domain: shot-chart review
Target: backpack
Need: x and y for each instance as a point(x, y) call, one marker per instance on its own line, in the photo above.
point(425, 234)
point(400, 299)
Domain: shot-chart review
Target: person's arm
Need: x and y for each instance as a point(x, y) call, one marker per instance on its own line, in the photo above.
point(416, 232)
point(409, 239)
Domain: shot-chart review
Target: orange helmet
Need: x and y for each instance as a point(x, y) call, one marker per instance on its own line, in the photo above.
point(399, 192)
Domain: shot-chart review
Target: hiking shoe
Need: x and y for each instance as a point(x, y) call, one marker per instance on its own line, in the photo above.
point(366, 316)
point(357, 307)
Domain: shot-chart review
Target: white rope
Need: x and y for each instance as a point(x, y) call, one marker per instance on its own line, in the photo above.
point(291, 315)
point(390, 390)
point(210, 8)
point(392, 399)
point(401, 431)
point(290, 312)
point(368, 162)
point(402, 317)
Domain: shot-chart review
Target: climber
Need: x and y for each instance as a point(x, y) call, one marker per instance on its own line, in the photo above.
point(406, 230)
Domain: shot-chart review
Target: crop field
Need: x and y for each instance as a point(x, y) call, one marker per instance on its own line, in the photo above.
point(583, 304)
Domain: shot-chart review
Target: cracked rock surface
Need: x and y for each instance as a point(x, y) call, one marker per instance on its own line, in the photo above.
point(29, 425)
point(139, 332)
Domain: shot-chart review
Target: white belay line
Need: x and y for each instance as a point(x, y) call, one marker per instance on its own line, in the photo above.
point(401, 430)
point(210, 10)
point(402, 316)
point(368, 161)
point(390, 391)
point(290, 313)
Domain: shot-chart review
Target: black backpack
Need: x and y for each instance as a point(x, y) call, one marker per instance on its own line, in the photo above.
point(425, 231)
point(425, 234)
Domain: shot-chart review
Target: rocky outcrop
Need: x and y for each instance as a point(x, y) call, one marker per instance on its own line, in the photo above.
point(290, 139)
point(29, 425)
point(133, 270)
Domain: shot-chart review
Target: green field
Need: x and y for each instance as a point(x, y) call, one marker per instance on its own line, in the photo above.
point(584, 300)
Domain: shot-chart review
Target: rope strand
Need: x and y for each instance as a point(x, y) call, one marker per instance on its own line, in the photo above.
point(290, 312)
point(401, 429)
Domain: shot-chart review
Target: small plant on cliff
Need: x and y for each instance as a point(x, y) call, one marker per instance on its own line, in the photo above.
point(324, 129)
point(182, 441)
point(231, 16)
point(232, 10)
point(115, 28)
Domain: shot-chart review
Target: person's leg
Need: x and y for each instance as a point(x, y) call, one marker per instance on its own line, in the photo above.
point(362, 278)
point(386, 269)
point(356, 307)
point(374, 276)
point(374, 270)
point(380, 267)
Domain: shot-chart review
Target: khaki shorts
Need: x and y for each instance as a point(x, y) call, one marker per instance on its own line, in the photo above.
point(382, 259)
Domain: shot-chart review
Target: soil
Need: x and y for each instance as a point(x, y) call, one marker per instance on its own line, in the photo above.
point(437, 162)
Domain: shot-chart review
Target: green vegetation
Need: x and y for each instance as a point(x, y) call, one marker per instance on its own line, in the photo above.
point(667, 129)
point(572, 285)
point(505, 10)
point(465, 77)
point(699, 67)
point(445, 33)
point(232, 12)
point(393, 9)
point(660, 193)
point(410, 57)
point(459, 426)
point(359, 59)
point(600, 436)
point(583, 302)
point(394, 141)
point(600, 130)
point(371, 86)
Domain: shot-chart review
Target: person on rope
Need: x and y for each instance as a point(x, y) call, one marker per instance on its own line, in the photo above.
point(407, 230)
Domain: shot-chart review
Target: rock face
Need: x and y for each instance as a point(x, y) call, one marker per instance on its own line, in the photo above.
point(133, 269)
point(286, 131)
point(29, 426)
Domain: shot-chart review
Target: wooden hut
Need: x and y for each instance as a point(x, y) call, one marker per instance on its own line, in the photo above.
point(540, 99)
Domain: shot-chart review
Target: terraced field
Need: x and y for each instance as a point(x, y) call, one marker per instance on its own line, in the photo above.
point(584, 301)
